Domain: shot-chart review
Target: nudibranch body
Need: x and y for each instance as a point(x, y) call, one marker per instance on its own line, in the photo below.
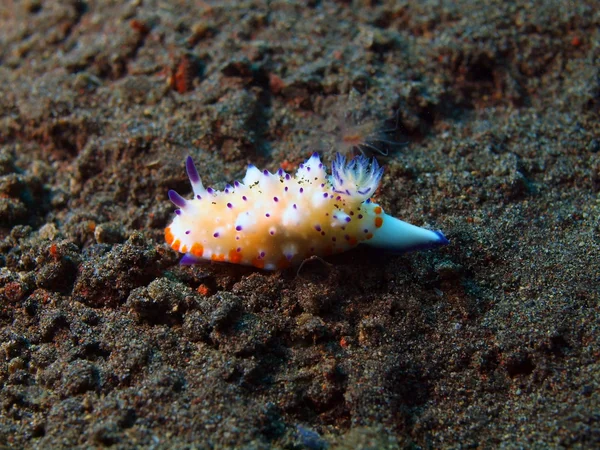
point(276, 220)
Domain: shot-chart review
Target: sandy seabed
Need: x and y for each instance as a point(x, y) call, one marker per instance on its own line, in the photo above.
point(492, 110)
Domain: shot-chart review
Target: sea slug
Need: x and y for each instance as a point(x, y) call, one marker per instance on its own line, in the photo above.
point(276, 220)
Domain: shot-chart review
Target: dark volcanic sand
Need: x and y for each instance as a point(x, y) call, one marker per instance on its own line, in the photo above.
point(491, 341)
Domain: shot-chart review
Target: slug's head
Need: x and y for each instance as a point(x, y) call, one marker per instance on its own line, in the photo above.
point(358, 179)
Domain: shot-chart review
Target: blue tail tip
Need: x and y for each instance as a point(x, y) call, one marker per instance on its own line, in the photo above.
point(442, 240)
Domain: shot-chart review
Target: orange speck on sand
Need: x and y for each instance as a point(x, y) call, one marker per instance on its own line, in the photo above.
point(203, 290)
point(276, 84)
point(168, 235)
point(54, 250)
point(235, 256)
point(343, 342)
point(378, 222)
point(258, 263)
point(286, 165)
point(197, 250)
point(139, 26)
point(575, 42)
point(353, 139)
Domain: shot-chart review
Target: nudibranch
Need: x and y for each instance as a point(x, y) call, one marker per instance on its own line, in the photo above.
point(276, 220)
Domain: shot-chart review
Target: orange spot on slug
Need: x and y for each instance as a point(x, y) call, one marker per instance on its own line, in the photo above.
point(197, 250)
point(218, 257)
point(235, 256)
point(168, 235)
point(378, 210)
point(175, 245)
point(378, 222)
point(258, 263)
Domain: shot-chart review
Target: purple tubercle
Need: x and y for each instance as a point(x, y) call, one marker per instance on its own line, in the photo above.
point(287, 176)
point(177, 199)
point(210, 190)
point(295, 207)
point(318, 227)
point(325, 195)
point(348, 219)
point(216, 235)
point(239, 249)
point(286, 189)
point(360, 216)
point(236, 183)
point(280, 172)
point(199, 197)
point(272, 233)
point(244, 198)
point(229, 205)
point(265, 172)
point(238, 228)
point(262, 254)
point(301, 190)
point(192, 173)
point(275, 199)
point(178, 212)
point(188, 231)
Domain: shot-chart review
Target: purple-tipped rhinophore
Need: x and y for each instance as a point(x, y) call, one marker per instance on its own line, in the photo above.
point(177, 199)
point(192, 173)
